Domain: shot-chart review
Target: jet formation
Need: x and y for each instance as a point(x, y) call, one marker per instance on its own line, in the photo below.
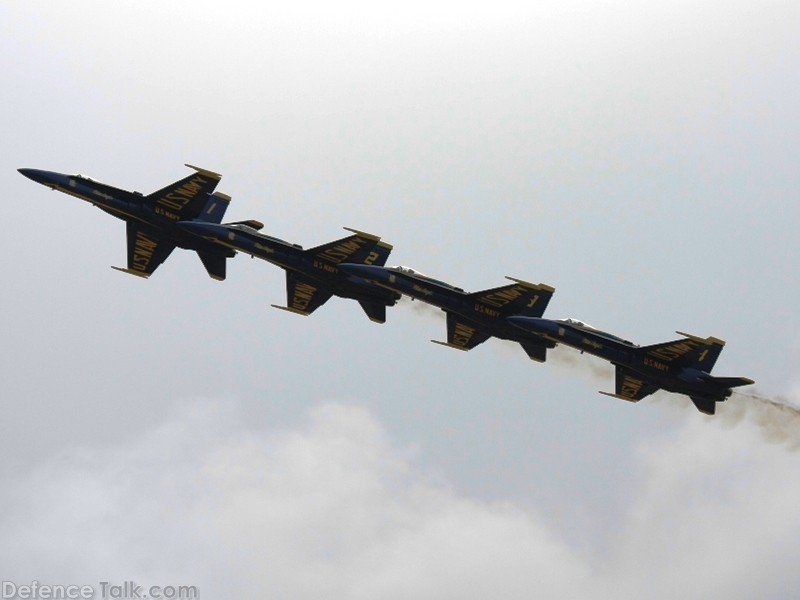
point(188, 214)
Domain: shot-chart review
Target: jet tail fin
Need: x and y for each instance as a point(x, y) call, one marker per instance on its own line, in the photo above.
point(215, 208)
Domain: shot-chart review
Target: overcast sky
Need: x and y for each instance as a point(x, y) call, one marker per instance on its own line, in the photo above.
point(639, 157)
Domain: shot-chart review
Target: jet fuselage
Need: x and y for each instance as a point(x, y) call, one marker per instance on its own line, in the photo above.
point(322, 267)
point(673, 366)
point(484, 310)
point(131, 206)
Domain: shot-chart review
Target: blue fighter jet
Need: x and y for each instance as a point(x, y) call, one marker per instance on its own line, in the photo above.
point(682, 366)
point(312, 275)
point(151, 220)
point(472, 318)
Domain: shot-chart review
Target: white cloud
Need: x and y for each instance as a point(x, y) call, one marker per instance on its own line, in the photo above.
point(332, 509)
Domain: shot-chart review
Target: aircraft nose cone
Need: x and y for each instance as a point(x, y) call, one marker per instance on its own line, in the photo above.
point(48, 178)
point(36, 175)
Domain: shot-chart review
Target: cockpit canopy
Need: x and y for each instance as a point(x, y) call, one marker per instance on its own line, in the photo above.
point(577, 323)
point(582, 324)
point(407, 271)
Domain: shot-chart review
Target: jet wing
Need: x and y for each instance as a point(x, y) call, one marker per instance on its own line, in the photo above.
point(304, 295)
point(461, 335)
point(361, 247)
point(519, 298)
point(189, 197)
point(146, 250)
point(701, 353)
point(631, 387)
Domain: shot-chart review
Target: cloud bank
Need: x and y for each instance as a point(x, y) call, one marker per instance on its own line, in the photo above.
point(332, 508)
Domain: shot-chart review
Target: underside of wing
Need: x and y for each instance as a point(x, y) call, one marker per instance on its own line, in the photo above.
point(146, 250)
point(631, 386)
point(304, 295)
point(462, 335)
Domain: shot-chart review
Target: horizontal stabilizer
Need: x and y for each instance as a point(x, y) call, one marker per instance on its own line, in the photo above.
point(730, 382)
point(214, 264)
point(537, 352)
point(704, 405)
point(376, 311)
point(132, 272)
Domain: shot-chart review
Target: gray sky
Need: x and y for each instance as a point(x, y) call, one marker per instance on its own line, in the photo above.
point(640, 158)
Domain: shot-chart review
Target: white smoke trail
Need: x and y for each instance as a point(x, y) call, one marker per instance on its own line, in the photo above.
point(776, 418)
point(421, 308)
point(587, 364)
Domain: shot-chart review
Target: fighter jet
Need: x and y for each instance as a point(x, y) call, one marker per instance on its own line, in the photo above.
point(472, 318)
point(151, 231)
point(682, 366)
point(312, 276)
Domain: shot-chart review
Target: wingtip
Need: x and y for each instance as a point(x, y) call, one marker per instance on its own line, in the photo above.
point(132, 272)
point(203, 171)
point(537, 286)
point(369, 236)
point(291, 310)
point(708, 340)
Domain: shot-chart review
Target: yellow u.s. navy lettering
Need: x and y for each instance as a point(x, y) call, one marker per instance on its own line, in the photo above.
point(342, 251)
point(180, 197)
point(500, 298)
point(143, 250)
point(462, 334)
point(303, 294)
